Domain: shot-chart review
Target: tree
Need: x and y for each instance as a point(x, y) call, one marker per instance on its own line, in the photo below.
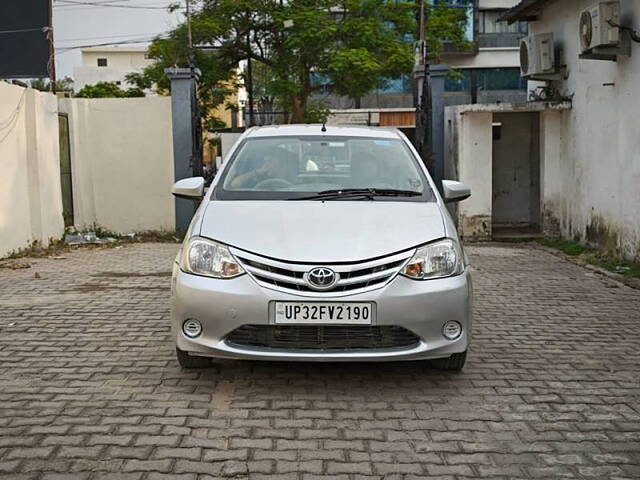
point(141, 83)
point(43, 84)
point(108, 90)
point(448, 21)
point(348, 47)
point(217, 79)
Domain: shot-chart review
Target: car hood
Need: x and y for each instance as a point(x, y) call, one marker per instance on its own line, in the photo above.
point(322, 232)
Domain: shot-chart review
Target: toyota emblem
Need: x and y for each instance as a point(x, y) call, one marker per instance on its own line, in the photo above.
point(321, 278)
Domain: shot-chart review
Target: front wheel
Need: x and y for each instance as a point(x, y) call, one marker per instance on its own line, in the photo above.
point(187, 361)
point(454, 363)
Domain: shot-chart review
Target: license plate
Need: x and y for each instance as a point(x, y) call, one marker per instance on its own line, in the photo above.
point(323, 313)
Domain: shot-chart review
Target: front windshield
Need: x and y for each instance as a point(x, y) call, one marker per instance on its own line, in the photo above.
point(277, 168)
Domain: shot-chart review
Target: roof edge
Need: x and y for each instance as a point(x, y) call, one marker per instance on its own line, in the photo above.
point(526, 10)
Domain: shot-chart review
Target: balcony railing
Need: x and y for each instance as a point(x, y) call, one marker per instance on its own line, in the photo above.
point(499, 40)
point(450, 48)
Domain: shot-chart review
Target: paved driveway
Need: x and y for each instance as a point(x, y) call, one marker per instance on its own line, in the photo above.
point(89, 387)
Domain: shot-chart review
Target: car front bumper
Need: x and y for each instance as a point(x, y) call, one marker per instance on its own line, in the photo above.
point(221, 306)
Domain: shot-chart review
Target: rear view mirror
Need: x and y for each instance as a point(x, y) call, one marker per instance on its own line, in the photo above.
point(189, 188)
point(453, 191)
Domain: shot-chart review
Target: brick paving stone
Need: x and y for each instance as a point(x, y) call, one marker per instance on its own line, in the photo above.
point(90, 389)
point(170, 476)
point(66, 476)
point(148, 465)
point(117, 476)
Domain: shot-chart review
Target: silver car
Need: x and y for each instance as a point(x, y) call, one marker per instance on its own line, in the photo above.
point(319, 243)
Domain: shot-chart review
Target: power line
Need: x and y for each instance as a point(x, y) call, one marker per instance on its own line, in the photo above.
point(149, 3)
point(104, 36)
point(94, 1)
point(107, 2)
point(107, 44)
point(72, 3)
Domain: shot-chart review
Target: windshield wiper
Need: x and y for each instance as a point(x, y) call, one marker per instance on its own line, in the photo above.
point(393, 192)
point(369, 193)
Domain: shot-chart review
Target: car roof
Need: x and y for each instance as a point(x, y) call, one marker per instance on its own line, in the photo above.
point(316, 131)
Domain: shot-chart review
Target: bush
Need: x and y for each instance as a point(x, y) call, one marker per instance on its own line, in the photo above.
point(108, 90)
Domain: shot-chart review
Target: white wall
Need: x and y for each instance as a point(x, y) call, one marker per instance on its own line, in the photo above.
point(122, 163)
point(589, 150)
point(469, 157)
point(83, 76)
point(227, 140)
point(468, 153)
point(30, 196)
point(119, 58)
point(475, 217)
point(592, 164)
point(120, 62)
point(487, 58)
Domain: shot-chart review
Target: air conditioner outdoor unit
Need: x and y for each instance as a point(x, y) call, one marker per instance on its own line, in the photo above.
point(537, 55)
point(595, 29)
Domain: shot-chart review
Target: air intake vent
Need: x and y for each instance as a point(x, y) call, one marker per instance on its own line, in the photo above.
point(324, 337)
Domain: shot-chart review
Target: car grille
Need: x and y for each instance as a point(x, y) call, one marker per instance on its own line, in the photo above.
point(324, 337)
point(355, 277)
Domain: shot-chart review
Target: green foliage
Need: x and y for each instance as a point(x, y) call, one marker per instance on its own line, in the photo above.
point(593, 256)
point(43, 84)
point(316, 112)
point(352, 45)
point(565, 246)
point(615, 265)
point(217, 74)
point(108, 90)
point(140, 83)
point(454, 74)
point(371, 46)
point(446, 24)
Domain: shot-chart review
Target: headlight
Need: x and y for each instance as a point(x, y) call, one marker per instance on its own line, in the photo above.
point(208, 258)
point(436, 260)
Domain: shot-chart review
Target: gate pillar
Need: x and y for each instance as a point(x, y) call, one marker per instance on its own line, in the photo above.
point(183, 94)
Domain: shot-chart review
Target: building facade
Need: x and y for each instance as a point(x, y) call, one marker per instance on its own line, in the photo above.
point(489, 71)
point(486, 72)
point(109, 64)
point(581, 151)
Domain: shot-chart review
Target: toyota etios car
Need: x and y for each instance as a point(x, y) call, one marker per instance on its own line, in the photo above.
point(322, 243)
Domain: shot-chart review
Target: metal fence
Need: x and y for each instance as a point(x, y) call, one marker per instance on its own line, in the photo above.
point(499, 40)
point(261, 118)
point(360, 117)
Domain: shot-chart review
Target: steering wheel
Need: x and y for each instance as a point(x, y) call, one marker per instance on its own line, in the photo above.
point(272, 184)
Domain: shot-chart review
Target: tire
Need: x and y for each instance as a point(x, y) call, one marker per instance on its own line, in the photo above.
point(454, 363)
point(188, 361)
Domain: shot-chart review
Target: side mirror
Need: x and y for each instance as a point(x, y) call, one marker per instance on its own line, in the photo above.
point(189, 188)
point(453, 191)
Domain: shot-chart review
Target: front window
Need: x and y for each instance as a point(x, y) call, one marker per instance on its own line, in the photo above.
point(288, 168)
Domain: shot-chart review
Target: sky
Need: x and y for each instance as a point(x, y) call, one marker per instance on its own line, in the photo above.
point(90, 22)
